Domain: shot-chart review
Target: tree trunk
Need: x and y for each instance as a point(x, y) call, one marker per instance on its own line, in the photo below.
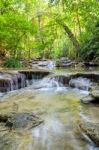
point(70, 35)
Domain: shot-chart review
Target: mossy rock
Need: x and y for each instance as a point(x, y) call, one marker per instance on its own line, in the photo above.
point(20, 120)
point(91, 130)
point(95, 94)
point(87, 99)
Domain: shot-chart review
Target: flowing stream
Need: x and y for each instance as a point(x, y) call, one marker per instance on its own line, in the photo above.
point(58, 106)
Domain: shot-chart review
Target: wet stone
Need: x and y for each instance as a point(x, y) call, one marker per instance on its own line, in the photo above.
point(95, 94)
point(80, 83)
point(10, 81)
point(20, 120)
point(91, 130)
point(87, 99)
point(93, 97)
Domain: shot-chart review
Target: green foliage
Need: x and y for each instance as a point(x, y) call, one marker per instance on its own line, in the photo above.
point(15, 28)
point(91, 49)
point(32, 28)
point(12, 63)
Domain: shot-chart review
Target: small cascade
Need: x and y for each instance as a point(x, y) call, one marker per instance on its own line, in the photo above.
point(47, 64)
point(62, 79)
point(51, 64)
point(17, 80)
point(22, 80)
point(80, 83)
point(49, 83)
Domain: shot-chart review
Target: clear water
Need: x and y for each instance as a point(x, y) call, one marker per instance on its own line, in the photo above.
point(60, 108)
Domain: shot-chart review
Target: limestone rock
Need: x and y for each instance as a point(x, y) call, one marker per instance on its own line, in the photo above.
point(20, 120)
point(91, 130)
point(87, 99)
point(95, 94)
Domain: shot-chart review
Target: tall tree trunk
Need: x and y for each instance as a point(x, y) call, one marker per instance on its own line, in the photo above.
point(70, 35)
point(78, 22)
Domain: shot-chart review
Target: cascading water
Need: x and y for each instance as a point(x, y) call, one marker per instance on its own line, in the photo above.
point(51, 64)
point(18, 80)
point(49, 83)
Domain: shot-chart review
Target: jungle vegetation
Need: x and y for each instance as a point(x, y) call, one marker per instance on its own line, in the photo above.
point(49, 29)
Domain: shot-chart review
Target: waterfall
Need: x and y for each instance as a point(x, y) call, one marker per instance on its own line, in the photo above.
point(50, 82)
point(17, 80)
point(21, 79)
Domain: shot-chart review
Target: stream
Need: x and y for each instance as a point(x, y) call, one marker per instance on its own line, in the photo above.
point(58, 106)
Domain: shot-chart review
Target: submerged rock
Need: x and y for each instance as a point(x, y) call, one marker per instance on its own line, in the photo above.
point(20, 120)
point(91, 130)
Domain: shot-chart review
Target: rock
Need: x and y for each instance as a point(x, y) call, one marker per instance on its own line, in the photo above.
point(91, 130)
point(80, 83)
point(10, 81)
point(91, 64)
point(65, 62)
point(4, 118)
point(95, 94)
point(93, 97)
point(20, 120)
point(87, 99)
point(38, 74)
point(93, 76)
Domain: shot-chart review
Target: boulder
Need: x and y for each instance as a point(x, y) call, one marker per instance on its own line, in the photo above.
point(10, 81)
point(95, 94)
point(91, 130)
point(93, 76)
point(93, 97)
point(80, 83)
point(87, 99)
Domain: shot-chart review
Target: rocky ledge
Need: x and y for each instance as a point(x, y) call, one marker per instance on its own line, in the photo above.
point(14, 80)
point(19, 79)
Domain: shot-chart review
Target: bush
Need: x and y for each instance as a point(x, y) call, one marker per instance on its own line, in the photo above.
point(12, 63)
point(90, 51)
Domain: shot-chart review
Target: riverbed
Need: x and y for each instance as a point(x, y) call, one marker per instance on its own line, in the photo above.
point(59, 107)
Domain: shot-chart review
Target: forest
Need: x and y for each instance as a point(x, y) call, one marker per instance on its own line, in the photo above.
point(49, 74)
point(49, 29)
